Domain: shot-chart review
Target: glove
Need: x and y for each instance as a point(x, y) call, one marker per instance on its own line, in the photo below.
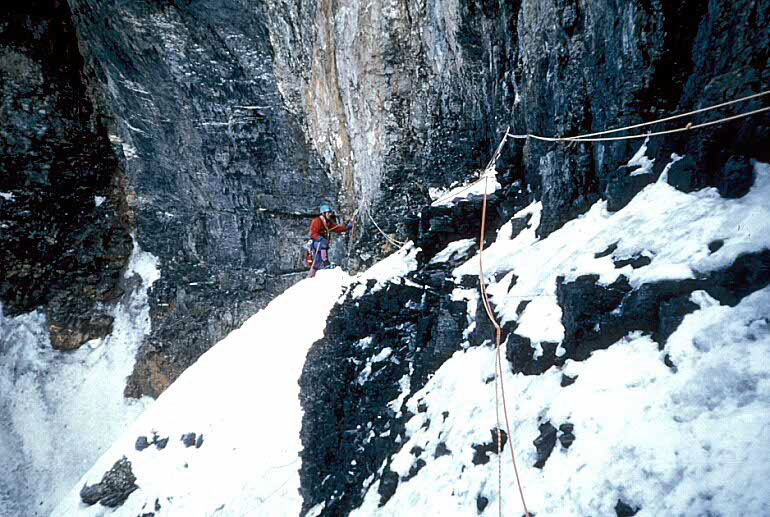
point(349, 227)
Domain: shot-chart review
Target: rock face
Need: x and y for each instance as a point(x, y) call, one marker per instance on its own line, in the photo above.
point(609, 65)
point(64, 237)
point(374, 345)
point(213, 129)
point(222, 180)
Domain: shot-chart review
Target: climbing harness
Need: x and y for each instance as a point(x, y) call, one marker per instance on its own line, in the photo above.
point(310, 262)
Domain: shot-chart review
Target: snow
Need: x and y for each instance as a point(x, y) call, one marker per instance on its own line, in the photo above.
point(63, 409)
point(671, 227)
point(8, 196)
point(454, 248)
point(392, 267)
point(98, 200)
point(684, 443)
point(641, 160)
point(477, 187)
point(243, 397)
point(688, 440)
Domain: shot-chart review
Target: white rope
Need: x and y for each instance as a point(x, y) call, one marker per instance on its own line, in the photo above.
point(390, 239)
point(688, 127)
point(681, 115)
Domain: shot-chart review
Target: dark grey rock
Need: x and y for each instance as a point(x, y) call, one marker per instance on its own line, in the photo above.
point(684, 175)
point(566, 380)
point(736, 177)
point(141, 443)
point(414, 469)
point(199, 442)
point(520, 351)
point(388, 486)
point(747, 274)
point(60, 252)
point(188, 439)
point(441, 450)
point(587, 314)
point(544, 443)
point(116, 485)
point(481, 503)
point(566, 435)
point(609, 251)
point(481, 451)
point(622, 187)
point(716, 245)
point(670, 315)
point(635, 262)
point(625, 510)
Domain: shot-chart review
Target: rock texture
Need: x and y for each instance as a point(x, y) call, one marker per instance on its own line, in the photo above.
point(222, 179)
point(399, 96)
point(64, 233)
point(117, 484)
point(212, 129)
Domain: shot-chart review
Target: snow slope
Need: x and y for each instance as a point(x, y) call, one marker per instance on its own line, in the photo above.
point(242, 396)
point(676, 428)
point(687, 440)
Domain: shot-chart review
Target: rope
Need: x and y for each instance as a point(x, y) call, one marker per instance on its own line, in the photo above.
point(590, 136)
point(452, 195)
point(499, 447)
point(499, 362)
point(390, 239)
point(681, 115)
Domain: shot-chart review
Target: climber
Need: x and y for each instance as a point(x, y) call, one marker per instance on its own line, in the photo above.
point(319, 232)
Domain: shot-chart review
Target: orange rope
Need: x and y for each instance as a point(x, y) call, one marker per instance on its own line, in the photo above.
point(499, 362)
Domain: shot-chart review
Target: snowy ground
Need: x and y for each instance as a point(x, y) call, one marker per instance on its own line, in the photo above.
point(689, 440)
point(242, 396)
point(59, 411)
point(686, 442)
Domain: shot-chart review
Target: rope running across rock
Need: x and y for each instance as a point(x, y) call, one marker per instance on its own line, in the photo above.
point(490, 170)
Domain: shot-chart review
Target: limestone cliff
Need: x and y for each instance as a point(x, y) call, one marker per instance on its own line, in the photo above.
point(211, 130)
point(214, 128)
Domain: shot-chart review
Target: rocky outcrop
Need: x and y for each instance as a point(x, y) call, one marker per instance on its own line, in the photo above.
point(211, 131)
point(596, 316)
point(590, 67)
point(222, 180)
point(112, 491)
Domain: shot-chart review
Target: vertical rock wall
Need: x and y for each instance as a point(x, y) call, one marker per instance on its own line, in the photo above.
point(591, 66)
point(222, 182)
point(398, 96)
point(64, 237)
